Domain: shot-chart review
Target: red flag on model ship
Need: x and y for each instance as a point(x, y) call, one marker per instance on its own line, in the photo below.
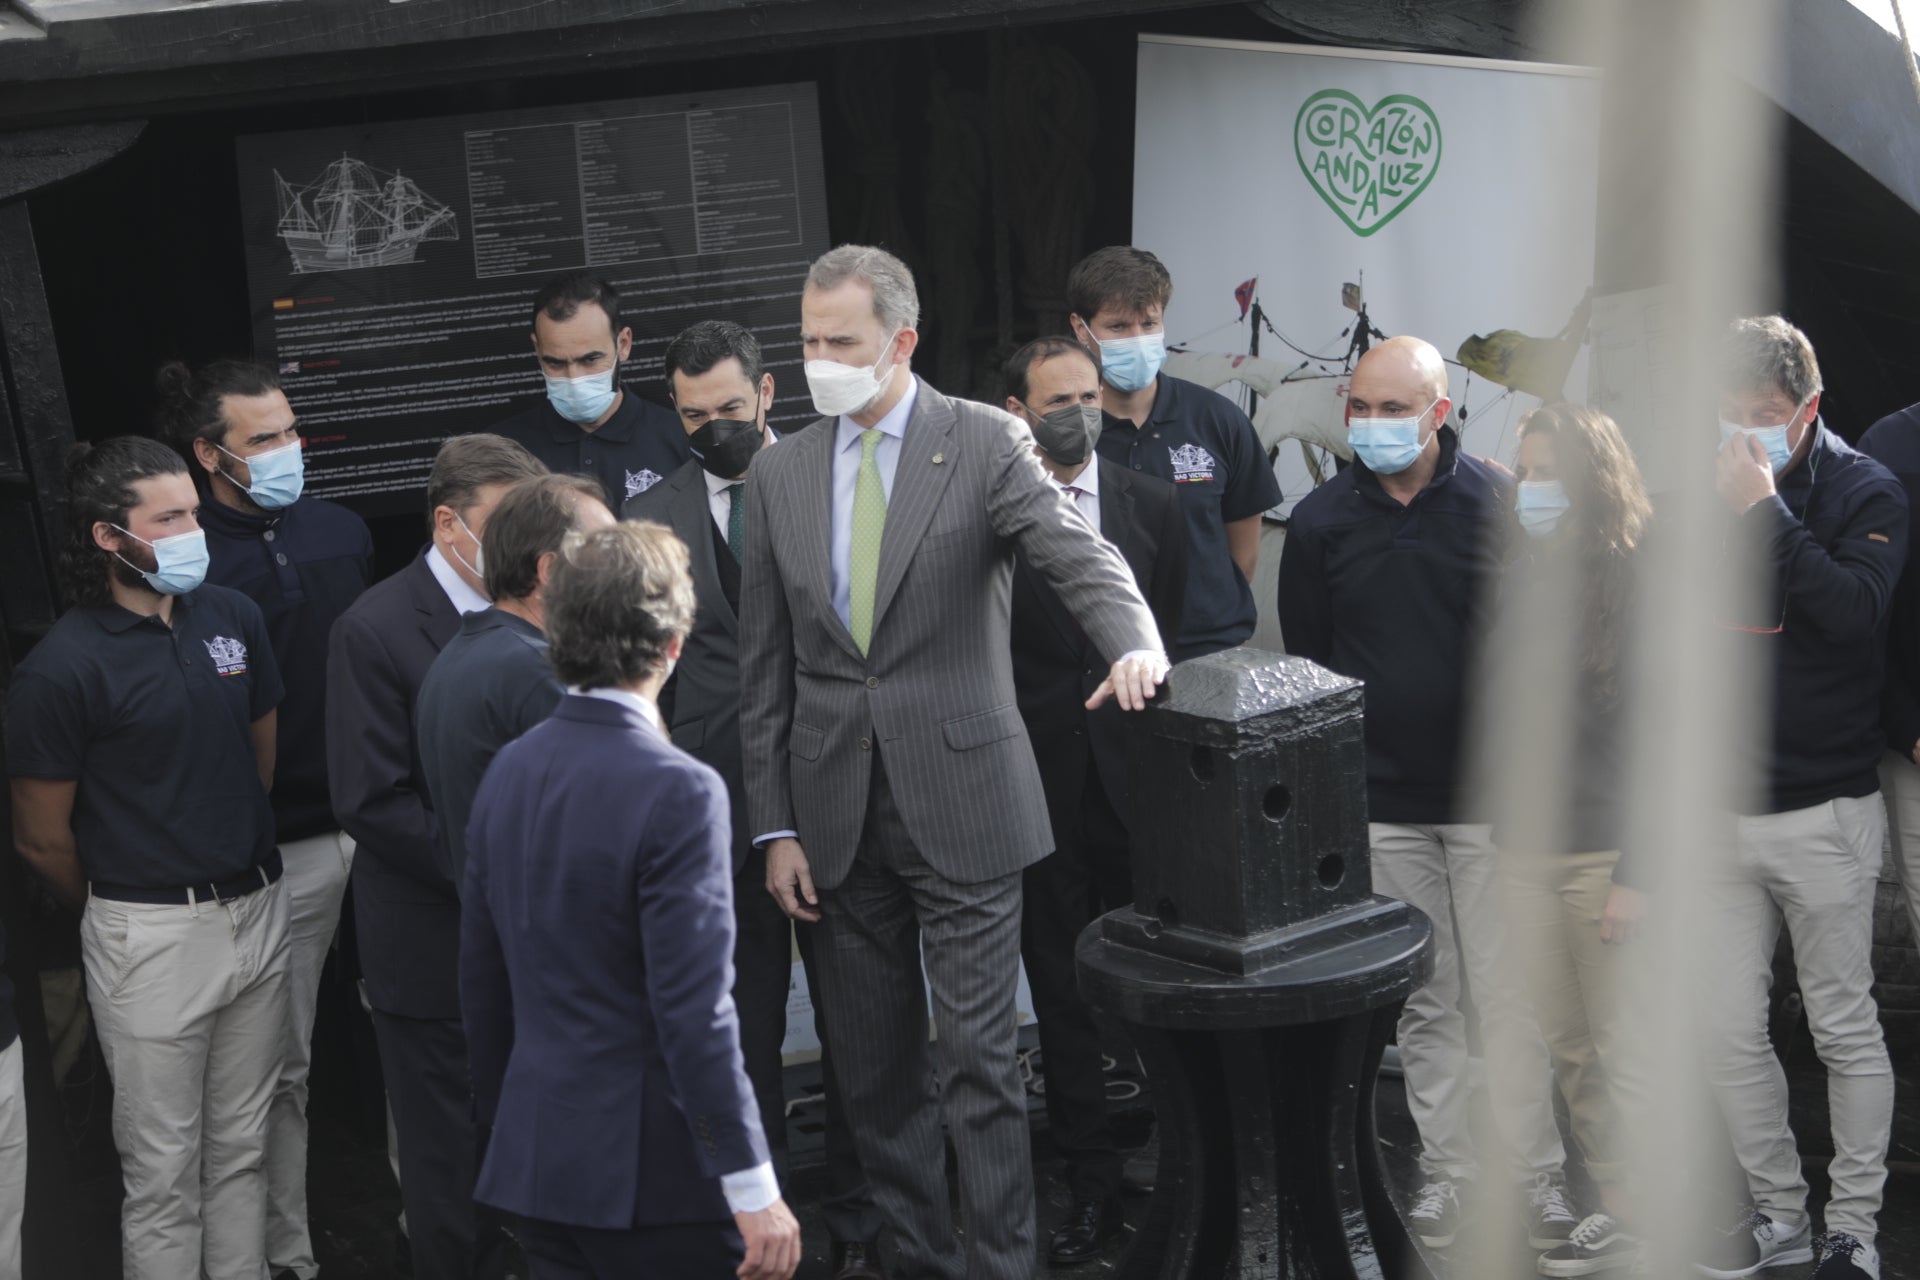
point(1244, 295)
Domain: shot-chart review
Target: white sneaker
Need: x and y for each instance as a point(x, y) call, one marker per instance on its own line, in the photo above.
point(1754, 1242)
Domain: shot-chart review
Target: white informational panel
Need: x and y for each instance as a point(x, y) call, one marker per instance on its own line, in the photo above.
point(1460, 193)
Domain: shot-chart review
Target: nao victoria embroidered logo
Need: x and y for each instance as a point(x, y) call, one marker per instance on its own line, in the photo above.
point(1192, 464)
point(229, 656)
point(642, 480)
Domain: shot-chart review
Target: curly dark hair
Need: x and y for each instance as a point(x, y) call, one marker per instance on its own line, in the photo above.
point(100, 480)
point(1606, 520)
point(617, 599)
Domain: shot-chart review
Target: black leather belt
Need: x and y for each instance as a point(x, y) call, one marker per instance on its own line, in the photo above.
point(211, 891)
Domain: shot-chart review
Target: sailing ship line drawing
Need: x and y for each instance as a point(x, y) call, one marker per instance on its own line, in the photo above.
point(356, 216)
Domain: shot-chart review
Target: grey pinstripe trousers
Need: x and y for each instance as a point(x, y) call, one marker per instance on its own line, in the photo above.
point(876, 926)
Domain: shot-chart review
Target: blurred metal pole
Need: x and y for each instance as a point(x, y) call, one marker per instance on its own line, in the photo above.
point(1689, 166)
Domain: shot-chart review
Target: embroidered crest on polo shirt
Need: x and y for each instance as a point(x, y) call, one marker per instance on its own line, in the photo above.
point(229, 655)
point(642, 480)
point(1191, 464)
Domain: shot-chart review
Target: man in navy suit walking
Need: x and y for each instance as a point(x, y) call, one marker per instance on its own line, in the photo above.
point(596, 957)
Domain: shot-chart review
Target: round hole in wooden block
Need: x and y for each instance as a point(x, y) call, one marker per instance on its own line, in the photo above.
point(1201, 763)
point(1332, 870)
point(1276, 802)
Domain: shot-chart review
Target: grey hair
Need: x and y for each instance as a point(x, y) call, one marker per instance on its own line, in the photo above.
point(895, 300)
point(1767, 353)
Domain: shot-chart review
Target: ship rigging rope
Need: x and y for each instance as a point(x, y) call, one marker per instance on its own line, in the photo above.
point(1906, 46)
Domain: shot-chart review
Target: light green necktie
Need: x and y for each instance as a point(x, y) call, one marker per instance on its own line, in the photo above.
point(869, 519)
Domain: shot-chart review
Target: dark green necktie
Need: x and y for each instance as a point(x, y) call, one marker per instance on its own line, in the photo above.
point(736, 518)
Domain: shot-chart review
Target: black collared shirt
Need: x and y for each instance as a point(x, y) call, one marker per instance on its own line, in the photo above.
point(155, 725)
point(303, 566)
point(1202, 443)
point(489, 685)
point(629, 453)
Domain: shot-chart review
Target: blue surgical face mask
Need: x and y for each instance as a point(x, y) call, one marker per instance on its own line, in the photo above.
point(279, 475)
point(1388, 445)
point(1772, 439)
point(1539, 504)
point(1131, 364)
point(179, 563)
point(583, 399)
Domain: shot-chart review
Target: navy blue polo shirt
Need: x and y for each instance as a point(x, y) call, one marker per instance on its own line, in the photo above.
point(303, 566)
point(629, 453)
point(1202, 443)
point(155, 725)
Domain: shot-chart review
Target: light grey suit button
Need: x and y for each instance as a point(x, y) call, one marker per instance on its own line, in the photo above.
point(873, 682)
point(866, 744)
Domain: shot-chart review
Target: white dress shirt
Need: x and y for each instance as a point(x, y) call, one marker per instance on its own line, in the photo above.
point(464, 597)
point(1084, 489)
point(719, 505)
point(749, 1190)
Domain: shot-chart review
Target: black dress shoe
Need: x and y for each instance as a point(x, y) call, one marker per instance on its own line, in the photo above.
point(856, 1260)
point(1086, 1231)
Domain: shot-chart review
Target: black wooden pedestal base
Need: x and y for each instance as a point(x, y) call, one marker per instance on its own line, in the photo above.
point(1269, 1162)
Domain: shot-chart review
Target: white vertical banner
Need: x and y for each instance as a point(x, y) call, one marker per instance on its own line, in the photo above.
point(1459, 192)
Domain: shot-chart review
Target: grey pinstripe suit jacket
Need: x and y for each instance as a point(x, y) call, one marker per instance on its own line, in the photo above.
point(935, 691)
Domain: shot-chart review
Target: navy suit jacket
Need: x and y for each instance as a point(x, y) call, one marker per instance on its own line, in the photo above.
point(596, 971)
point(406, 913)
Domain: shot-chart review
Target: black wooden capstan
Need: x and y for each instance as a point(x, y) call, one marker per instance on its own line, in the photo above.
point(1259, 976)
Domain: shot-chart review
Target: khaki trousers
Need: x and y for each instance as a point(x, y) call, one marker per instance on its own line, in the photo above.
point(1555, 904)
point(315, 882)
point(13, 1159)
point(1451, 872)
point(1814, 870)
point(191, 1006)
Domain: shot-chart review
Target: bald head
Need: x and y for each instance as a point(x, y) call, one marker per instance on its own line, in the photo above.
point(1398, 378)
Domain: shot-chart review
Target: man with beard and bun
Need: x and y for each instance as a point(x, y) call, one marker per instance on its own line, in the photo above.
point(889, 775)
point(304, 561)
point(722, 392)
point(588, 424)
point(140, 744)
point(1387, 575)
point(1054, 385)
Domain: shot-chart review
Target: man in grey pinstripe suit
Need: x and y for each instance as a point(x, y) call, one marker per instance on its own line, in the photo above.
point(888, 771)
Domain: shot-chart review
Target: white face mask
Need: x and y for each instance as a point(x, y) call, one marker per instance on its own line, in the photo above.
point(841, 389)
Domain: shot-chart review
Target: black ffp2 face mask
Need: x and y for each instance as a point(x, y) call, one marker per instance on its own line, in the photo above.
point(1067, 434)
point(725, 446)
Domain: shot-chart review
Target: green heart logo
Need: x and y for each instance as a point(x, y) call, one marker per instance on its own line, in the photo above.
point(1367, 163)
